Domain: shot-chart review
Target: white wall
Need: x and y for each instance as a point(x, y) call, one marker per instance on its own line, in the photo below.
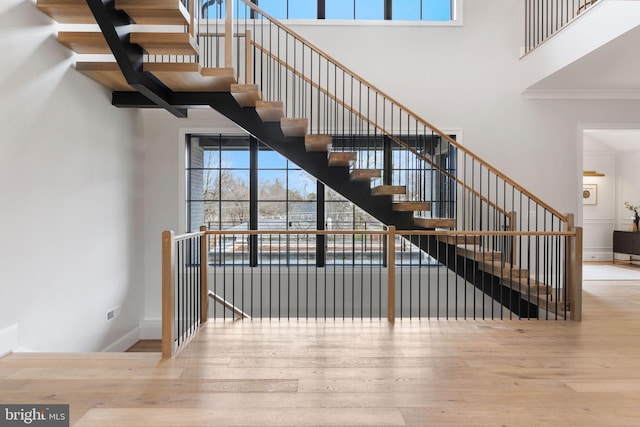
point(628, 189)
point(163, 203)
point(71, 187)
point(599, 220)
point(466, 78)
point(620, 184)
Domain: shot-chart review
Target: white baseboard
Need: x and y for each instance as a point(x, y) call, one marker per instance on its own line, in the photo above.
point(125, 342)
point(597, 256)
point(8, 339)
point(151, 329)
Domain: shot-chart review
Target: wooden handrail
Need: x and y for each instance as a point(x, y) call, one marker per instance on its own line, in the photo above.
point(380, 128)
point(368, 85)
point(398, 232)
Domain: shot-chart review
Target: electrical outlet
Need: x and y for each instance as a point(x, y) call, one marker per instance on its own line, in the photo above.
point(114, 313)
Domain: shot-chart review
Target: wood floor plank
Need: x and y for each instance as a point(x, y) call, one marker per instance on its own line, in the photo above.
point(161, 417)
point(361, 373)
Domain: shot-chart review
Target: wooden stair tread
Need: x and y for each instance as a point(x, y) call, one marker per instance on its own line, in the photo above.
point(84, 42)
point(294, 127)
point(270, 111)
point(166, 43)
point(459, 239)
point(435, 222)
point(477, 253)
point(411, 206)
point(388, 190)
point(106, 73)
point(155, 12)
point(526, 285)
point(365, 174)
point(67, 11)
point(317, 142)
point(190, 77)
point(246, 95)
point(503, 270)
point(342, 158)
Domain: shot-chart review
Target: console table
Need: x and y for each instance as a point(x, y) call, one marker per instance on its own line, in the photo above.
point(626, 242)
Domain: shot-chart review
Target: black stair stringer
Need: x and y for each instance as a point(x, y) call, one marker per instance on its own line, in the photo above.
point(358, 192)
point(468, 269)
point(115, 26)
point(314, 163)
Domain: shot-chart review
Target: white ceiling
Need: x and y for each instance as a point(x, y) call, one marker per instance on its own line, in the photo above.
point(615, 139)
point(612, 67)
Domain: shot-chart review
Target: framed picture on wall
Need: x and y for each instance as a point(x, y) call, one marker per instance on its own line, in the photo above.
point(590, 194)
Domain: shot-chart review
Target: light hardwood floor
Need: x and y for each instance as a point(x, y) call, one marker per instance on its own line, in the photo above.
point(425, 373)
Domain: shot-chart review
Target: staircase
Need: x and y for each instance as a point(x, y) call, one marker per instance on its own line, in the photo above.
point(341, 129)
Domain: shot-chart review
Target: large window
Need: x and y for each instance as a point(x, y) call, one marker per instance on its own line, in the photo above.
point(238, 183)
point(397, 10)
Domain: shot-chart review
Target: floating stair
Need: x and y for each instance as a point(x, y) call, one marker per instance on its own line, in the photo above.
point(246, 95)
point(478, 253)
point(342, 158)
point(388, 190)
point(458, 240)
point(166, 43)
point(184, 77)
point(155, 12)
point(318, 142)
point(90, 42)
point(411, 206)
point(270, 111)
point(502, 270)
point(67, 11)
point(106, 73)
point(365, 174)
point(435, 222)
point(294, 127)
point(526, 285)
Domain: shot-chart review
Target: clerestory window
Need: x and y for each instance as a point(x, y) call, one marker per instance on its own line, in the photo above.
point(396, 10)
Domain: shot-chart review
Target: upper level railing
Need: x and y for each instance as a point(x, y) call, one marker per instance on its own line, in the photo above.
point(544, 18)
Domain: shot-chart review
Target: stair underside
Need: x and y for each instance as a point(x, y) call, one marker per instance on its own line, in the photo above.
point(185, 77)
point(270, 111)
point(435, 222)
point(84, 42)
point(388, 190)
point(459, 240)
point(166, 43)
point(502, 270)
point(246, 95)
point(294, 127)
point(342, 158)
point(106, 73)
point(67, 11)
point(477, 253)
point(365, 174)
point(411, 206)
point(155, 12)
point(318, 142)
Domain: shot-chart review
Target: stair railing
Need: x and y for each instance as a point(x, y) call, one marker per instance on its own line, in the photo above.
point(363, 119)
point(384, 134)
point(184, 289)
point(544, 18)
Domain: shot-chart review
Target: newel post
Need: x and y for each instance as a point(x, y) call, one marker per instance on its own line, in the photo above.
point(391, 273)
point(574, 269)
point(168, 293)
point(204, 284)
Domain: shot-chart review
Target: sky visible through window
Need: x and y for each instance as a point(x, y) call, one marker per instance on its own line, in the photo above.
point(402, 10)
